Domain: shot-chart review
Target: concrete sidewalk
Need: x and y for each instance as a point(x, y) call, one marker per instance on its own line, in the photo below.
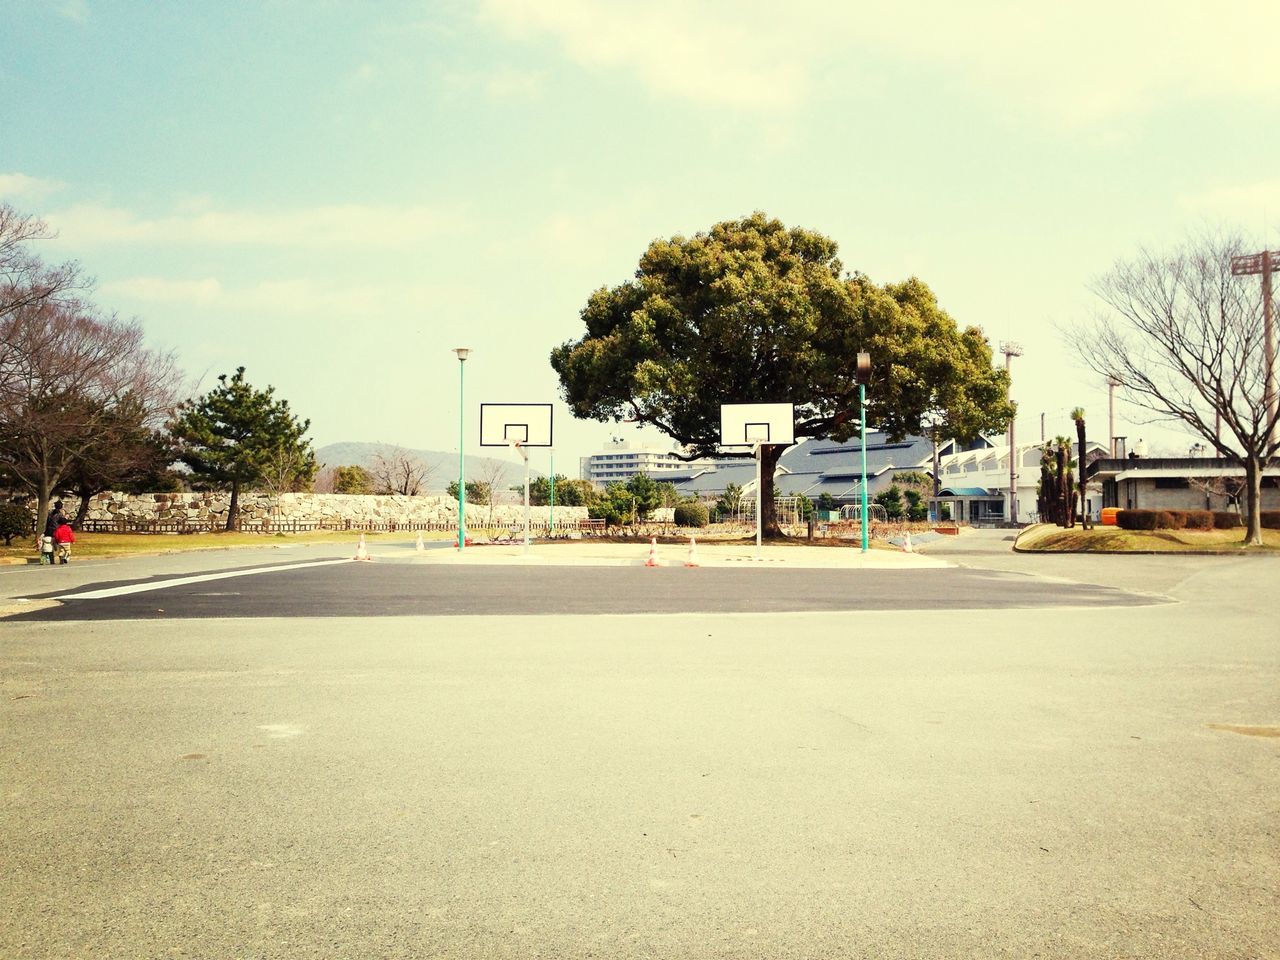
point(588, 554)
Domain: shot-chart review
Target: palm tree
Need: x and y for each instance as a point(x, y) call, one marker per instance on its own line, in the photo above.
point(1063, 486)
point(1078, 416)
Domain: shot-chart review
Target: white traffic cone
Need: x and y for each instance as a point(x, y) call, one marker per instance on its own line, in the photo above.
point(420, 547)
point(362, 553)
point(692, 560)
point(653, 553)
point(906, 544)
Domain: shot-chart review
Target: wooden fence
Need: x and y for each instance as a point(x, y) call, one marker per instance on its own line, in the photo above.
point(124, 525)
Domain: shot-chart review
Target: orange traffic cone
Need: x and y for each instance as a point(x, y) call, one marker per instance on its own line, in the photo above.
point(653, 553)
point(420, 547)
point(692, 560)
point(362, 552)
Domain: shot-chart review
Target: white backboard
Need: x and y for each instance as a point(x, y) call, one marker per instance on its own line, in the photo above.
point(529, 424)
point(748, 424)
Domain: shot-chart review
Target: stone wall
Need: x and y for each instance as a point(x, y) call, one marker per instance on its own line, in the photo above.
point(306, 510)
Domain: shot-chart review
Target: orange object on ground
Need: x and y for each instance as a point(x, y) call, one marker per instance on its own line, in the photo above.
point(1109, 516)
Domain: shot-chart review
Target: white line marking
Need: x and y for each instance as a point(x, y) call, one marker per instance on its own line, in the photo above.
point(182, 581)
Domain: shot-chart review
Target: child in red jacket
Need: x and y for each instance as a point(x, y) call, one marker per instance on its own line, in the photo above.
point(63, 538)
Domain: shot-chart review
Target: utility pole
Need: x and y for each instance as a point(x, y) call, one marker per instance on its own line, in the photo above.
point(1112, 383)
point(1011, 349)
point(1251, 265)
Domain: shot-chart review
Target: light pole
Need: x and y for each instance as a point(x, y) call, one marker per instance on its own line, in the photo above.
point(1263, 263)
point(1011, 350)
point(1112, 383)
point(462, 353)
point(864, 375)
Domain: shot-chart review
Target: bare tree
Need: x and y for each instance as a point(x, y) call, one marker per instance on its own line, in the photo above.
point(397, 471)
point(25, 280)
point(1183, 338)
point(492, 473)
point(68, 372)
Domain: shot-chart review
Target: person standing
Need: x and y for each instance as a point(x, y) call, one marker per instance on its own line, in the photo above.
point(64, 537)
point(52, 522)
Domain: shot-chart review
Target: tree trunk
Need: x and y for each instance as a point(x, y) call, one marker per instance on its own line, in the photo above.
point(1084, 479)
point(82, 511)
point(769, 456)
point(1253, 491)
point(233, 510)
point(1060, 481)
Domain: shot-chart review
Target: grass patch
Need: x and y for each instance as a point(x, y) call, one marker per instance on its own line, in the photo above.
point(1047, 539)
point(90, 545)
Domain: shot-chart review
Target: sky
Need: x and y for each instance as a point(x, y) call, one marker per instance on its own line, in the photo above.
point(334, 194)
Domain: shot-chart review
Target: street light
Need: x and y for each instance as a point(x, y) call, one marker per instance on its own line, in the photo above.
point(864, 376)
point(462, 353)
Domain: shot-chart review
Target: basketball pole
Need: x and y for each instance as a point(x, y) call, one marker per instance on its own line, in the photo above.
point(525, 453)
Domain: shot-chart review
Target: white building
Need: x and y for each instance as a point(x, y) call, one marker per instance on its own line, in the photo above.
point(975, 483)
point(622, 460)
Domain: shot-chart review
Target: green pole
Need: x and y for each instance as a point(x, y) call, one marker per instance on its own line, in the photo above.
point(862, 410)
point(551, 523)
point(462, 433)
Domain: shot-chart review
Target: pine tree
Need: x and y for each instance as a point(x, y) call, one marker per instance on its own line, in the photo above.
point(231, 437)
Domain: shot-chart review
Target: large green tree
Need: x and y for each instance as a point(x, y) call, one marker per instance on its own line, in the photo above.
point(753, 311)
point(236, 436)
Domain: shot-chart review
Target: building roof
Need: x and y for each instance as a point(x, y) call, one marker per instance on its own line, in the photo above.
point(1134, 468)
point(965, 492)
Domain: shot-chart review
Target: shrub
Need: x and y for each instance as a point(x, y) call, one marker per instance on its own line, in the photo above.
point(1199, 520)
point(1271, 519)
point(1136, 519)
point(1226, 520)
point(691, 514)
point(15, 521)
point(1151, 519)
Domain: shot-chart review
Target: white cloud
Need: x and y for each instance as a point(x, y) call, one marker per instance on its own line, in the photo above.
point(297, 296)
point(1083, 63)
point(349, 225)
point(19, 186)
point(677, 49)
point(1248, 203)
point(159, 290)
point(77, 11)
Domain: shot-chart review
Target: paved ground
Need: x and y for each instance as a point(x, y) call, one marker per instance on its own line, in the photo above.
point(1017, 782)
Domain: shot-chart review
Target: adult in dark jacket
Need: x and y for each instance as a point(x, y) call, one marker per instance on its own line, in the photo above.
point(55, 519)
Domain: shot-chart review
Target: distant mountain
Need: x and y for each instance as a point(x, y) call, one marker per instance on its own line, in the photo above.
point(443, 466)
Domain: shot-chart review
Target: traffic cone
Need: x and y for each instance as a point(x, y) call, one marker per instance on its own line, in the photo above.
point(906, 544)
point(420, 547)
point(692, 560)
point(653, 553)
point(362, 552)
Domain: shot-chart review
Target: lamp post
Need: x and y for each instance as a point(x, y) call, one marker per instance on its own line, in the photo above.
point(1010, 349)
point(462, 353)
point(864, 375)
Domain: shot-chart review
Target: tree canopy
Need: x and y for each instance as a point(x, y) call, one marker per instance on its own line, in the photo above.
point(753, 311)
point(236, 436)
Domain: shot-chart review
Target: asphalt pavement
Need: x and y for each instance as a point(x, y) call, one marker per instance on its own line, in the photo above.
point(1032, 779)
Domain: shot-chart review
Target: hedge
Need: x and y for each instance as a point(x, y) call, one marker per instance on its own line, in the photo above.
point(1226, 520)
point(1271, 519)
point(1198, 520)
point(1144, 520)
